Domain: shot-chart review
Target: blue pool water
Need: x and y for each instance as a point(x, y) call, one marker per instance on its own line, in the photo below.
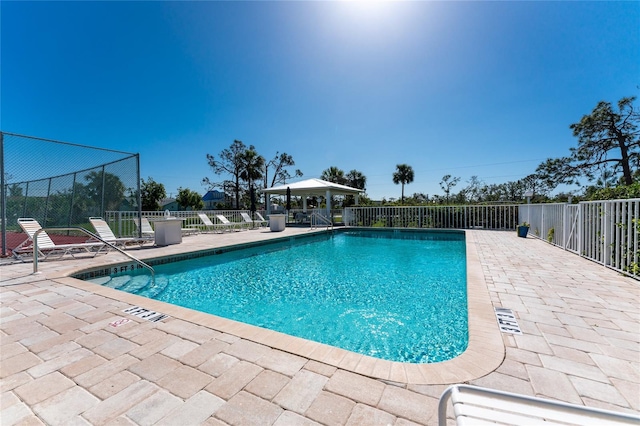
point(399, 296)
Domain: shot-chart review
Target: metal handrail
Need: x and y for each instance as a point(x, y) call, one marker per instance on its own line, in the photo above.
point(317, 216)
point(92, 235)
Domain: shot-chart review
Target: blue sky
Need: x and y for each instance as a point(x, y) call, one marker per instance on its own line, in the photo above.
point(462, 88)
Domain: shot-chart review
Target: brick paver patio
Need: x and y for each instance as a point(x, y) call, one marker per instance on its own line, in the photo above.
point(62, 363)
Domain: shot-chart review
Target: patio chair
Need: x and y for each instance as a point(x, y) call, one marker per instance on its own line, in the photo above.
point(225, 224)
point(104, 231)
point(476, 405)
point(148, 232)
point(248, 221)
point(144, 227)
point(205, 225)
point(46, 246)
point(261, 220)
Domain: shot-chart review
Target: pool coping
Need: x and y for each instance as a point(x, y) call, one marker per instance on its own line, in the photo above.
point(485, 351)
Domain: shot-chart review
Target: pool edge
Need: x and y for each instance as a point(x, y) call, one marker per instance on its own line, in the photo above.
point(485, 351)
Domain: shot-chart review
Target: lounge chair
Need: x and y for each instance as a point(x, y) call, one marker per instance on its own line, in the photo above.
point(104, 231)
point(225, 224)
point(248, 221)
point(144, 227)
point(206, 224)
point(46, 246)
point(262, 219)
point(148, 232)
point(476, 405)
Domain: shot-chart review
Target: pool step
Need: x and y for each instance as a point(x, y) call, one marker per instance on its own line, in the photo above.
point(155, 288)
point(135, 283)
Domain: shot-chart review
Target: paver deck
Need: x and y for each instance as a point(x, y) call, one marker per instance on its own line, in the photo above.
point(62, 363)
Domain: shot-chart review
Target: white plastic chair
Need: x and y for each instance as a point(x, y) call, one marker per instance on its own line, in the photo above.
point(104, 231)
point(46, 246)
point(225, 224)
point(473, 405)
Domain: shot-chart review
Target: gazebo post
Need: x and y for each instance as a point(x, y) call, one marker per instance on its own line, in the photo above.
point(328, 197)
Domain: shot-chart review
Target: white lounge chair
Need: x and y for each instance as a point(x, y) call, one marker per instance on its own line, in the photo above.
point(261, 219)
point(46, 246)
point(144, 227)
point(147, 230)
point(474, 405)
point(206, 224)
point(104, 231)
point(225, 224)
point(248, 221)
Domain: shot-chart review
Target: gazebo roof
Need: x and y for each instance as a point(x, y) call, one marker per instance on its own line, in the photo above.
point(313, 187)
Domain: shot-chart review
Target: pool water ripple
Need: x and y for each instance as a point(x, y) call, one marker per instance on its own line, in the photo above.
point(383, 295)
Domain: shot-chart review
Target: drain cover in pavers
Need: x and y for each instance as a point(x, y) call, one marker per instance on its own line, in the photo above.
point(143, 313)
point(507, 321)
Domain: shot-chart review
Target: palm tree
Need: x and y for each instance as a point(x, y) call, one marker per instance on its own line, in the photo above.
point(403, 175)
point(252, 166)
point(356, 179)
point(334, 174)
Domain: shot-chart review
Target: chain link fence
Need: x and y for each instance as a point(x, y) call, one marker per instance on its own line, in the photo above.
point(62, 184)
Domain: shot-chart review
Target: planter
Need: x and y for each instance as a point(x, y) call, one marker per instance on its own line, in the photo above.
point(276, 222)
point(523, 231)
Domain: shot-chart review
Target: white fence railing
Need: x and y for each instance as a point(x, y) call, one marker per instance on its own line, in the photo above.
point(465, 217)
point(607, 232)
point(123, 222)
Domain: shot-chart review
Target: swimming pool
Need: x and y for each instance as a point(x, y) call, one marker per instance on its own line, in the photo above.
point(394, 295)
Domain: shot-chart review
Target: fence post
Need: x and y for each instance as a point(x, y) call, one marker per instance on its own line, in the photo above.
point(3, 198)
point(607, 230)
point(564, 225)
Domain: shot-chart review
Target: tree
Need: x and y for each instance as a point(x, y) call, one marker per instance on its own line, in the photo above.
point(252, 166)
point(473, 190)
point(419, 198)
point(354, 179)
point(231, 162)
point(537, 185)
point(334, 174)
point(608, 140)
point(151, 193)
point(189, 199)
point(447, 183)
point(280, 173)
point(106, 190)
point(403, 175)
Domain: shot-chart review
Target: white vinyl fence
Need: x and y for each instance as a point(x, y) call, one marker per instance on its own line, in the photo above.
point(123, 223)
point(607, 232)
point(462, 217)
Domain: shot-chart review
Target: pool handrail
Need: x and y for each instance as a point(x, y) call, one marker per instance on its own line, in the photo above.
point(92, 235)
point(319, 218)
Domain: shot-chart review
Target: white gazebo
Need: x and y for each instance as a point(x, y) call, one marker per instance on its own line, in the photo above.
point(313, 187)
